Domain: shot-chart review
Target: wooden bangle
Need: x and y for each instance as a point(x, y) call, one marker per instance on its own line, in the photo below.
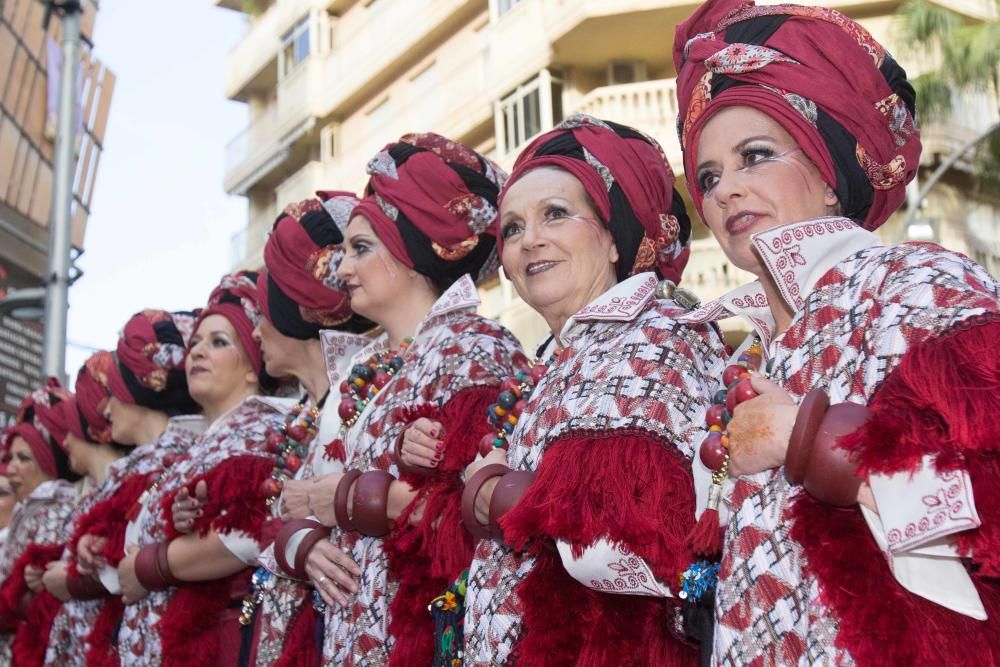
point(829, 475)
point(369, 509)
point(85, 587)
point(340, 498)
point(405, 468)
point(306, 546)
point(471, 491)
point(146, 570)
point(286, 533)
point(800, 444)
point(163, 565)
point(507, 493)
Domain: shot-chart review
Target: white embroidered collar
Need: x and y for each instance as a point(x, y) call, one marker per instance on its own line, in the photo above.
point(621, 303)
point(47, 490)
point(184, 426)
point(339, 346)
point(796, 255)
point(257, 403)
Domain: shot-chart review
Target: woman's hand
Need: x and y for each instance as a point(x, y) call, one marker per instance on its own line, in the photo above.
point(54, 580)
point(187, 508)
point(89, 552)
point(321, 495)
point(422, 444)
point(132, 590)
point(33, 578)
point(295, 498)
point(760, 428)
point(486, 491)
point(332, 573)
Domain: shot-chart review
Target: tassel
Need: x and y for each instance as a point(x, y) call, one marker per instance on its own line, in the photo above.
point(335, 451)
point(705, 539)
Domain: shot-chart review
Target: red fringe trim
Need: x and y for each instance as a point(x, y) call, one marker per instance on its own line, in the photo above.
point(108, 518)
point(191, 629)
point(427, 557)
point(631, 488)
point(301, 648)
point(943, 400)
point(32, 638)
point(103, 652)
point(881, 623)
point(236, 502)
point(14, 589)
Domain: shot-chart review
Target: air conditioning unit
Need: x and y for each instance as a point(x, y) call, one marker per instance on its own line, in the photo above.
point(626, 71)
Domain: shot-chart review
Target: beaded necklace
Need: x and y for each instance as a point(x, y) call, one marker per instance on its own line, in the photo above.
point(514, 394)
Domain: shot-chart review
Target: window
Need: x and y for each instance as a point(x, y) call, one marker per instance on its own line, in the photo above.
point(295, 46)
point(626, 71)
point(501, 7)
point(328, 142)
point(531, 108)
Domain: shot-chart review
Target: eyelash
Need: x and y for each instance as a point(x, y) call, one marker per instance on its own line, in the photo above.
point(765, 152)
point(360, 248)
point(550, 213)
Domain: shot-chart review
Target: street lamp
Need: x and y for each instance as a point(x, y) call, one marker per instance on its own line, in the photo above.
point(24, 304)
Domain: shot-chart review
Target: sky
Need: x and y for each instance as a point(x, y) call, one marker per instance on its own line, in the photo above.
point(158, 235)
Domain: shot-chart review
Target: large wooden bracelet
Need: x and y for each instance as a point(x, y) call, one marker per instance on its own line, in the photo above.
point(287, 532)
point(340, 498)
point(405, 468)
point(152, 568)
point(369, 508)
point(813, 459)
point(507, 492)
point(85, 586)
point(306, 546)
point(471, 491)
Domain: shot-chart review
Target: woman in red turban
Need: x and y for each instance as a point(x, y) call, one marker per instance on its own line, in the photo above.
point(863, 520)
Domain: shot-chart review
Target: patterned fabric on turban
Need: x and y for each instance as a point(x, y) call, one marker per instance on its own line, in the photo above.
point(92, 394)
point(299, 292)
point(43, 422)
point(819, 74)
point(235, 298)
point(433, 203)
point(630, 181)
point(149, 362)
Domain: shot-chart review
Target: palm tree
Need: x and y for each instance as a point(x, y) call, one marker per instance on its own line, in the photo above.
point(969, 61)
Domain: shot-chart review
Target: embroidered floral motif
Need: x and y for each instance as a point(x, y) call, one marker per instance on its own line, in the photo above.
point(340, 209)
point(645, 256)
point(476, 211)
point(900, 121)
point(296, 210)
point(600, 168)
point(882, 176)
point(701, 95)
point(383, 165)
point(387, 207)
point(742, 58)
point(805, 107)
point(582, 120)
point(457, 251)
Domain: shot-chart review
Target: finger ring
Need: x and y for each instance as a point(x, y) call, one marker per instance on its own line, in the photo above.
point(321, 579)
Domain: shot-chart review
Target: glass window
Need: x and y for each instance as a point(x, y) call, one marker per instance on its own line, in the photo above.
point(295, 46)
point(530, 109)
point(504, 6)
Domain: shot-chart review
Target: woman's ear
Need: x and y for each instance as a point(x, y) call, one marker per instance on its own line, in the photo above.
point(613, 256)
point(830, 200)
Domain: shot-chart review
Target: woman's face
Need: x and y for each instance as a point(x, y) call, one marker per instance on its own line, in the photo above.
point(375, 279)
point(277, 350)
point(78, 451)
point(218, 370)
point(7, 501)
point(126, 421)
point(23, 471)
point(556, 250)
point(754, 177)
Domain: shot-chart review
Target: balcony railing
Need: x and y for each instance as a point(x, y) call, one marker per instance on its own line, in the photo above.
point(650, 106)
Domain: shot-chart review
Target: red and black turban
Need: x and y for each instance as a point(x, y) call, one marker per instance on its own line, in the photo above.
point(819, 74)
point(630, 181)
point(92, 395)
point(43, 420)
point(235, 298)
point(149, 362)
point(299, 292)
point(433, 203)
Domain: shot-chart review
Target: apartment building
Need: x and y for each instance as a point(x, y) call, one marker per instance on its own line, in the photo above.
point(328, 82)
point(28, 104)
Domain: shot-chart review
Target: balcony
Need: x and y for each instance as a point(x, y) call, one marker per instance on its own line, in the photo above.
point(274, 136)
point(650, 106)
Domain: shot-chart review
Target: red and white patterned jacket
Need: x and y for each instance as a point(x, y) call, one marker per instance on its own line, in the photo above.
point(609, 432)
point(457, 358)
point(804, 583)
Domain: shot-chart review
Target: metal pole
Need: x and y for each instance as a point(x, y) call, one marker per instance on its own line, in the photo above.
point(57, 276)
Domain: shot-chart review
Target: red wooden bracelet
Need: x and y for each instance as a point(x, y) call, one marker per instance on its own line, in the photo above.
point(369, 509)
point(163, 565)
point(405, 468)
point(508, 491)
point(340, 497)
point(85, 586)
point(146, 570)
point(830, 476)
point(472, 488)
point(286, 533)
point(305, 546)
point(800, 444)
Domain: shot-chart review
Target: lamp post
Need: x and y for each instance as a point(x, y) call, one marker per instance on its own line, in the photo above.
point(57, 277)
